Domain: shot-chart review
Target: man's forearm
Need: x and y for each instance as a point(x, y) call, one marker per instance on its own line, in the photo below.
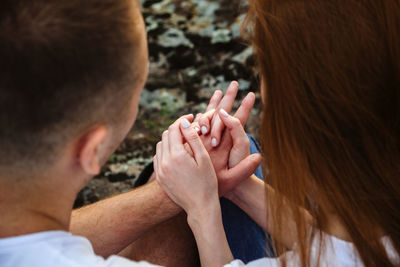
point(114, 223)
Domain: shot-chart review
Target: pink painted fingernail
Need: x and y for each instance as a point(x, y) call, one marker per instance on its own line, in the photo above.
point(214, 142)
point(224, 113)
point(185, 124)
point(197, 129)
point(204, 129)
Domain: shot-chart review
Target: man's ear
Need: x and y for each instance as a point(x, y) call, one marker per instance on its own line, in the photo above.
point(88, 154)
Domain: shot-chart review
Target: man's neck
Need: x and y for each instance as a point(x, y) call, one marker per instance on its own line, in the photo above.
point(29, 222)
point(26, 210)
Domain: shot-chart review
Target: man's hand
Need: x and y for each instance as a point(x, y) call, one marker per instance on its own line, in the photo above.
point(232, 164)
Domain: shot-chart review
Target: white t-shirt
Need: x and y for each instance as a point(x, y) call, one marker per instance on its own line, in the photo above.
point(56, 249)
point(337, 252)
point(62, 249)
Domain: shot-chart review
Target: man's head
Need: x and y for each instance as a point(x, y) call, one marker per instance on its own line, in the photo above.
point(70, 72)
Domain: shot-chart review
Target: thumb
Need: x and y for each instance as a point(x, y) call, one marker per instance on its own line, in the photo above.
point(244, 169)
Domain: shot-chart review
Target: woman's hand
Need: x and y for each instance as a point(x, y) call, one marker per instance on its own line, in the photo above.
point(189, 180)
point(239, 152)
point(231, 159)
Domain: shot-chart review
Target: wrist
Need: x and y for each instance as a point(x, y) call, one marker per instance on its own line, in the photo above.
point(208, 230)
point(204, 214)
point(244, 192)
point(165, 203)
point(238, 191)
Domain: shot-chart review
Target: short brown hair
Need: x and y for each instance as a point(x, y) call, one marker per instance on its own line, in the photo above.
point(64, 65)
point(331, 120)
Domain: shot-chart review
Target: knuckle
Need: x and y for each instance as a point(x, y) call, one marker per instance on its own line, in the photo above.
point(164, 167)
point(246, 141)
point(203, 157)
point(236, 122)
point(191, 136)
point(243, 142)
point(158, 146)
point(175, 158)
point(179, 160)
point(204, 121)
point(184, 117)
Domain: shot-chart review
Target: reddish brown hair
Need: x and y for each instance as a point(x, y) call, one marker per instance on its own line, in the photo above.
point(330, 128)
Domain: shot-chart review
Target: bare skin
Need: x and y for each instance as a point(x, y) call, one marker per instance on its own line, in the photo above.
point(198, 197)
point(26, 199)
point(170, 243)
point(113, 224)
point(201, 203)
point(33, 204)
point(95, 221)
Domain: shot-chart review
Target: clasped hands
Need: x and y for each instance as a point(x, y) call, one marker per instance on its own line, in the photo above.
point(198, 161)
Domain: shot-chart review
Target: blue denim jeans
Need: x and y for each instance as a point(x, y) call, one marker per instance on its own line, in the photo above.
point(246, 239)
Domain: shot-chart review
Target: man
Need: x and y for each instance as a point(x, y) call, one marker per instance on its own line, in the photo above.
point(71, 74)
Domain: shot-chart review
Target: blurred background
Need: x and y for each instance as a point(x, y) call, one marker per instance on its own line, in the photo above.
point(194, 49)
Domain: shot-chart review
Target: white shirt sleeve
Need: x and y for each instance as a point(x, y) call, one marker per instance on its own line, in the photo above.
point(117, 261)
point(235, 263)
point(264, 262)
point(56, 249)
point(335, 252)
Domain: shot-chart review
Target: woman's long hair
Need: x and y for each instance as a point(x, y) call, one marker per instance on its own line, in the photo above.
point(330, 73)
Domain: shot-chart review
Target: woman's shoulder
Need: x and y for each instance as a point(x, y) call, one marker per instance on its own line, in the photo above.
point(334, 247)
point(332, 251)
point(390, 250)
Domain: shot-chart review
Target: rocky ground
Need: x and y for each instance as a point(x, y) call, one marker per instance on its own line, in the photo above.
point(195, 48)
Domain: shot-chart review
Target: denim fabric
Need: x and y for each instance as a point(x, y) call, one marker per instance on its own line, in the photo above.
point(246, 239)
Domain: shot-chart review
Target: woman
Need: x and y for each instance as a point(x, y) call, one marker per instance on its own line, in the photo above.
point(330, 73)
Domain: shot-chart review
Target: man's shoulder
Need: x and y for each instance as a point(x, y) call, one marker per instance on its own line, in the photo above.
point(56, 248)
point(117, 261)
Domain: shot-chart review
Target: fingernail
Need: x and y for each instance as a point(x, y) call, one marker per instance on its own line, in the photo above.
point(197, 129)
point(185, 123)
point(204, 129)
point(224, 113)
point(214, 142)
